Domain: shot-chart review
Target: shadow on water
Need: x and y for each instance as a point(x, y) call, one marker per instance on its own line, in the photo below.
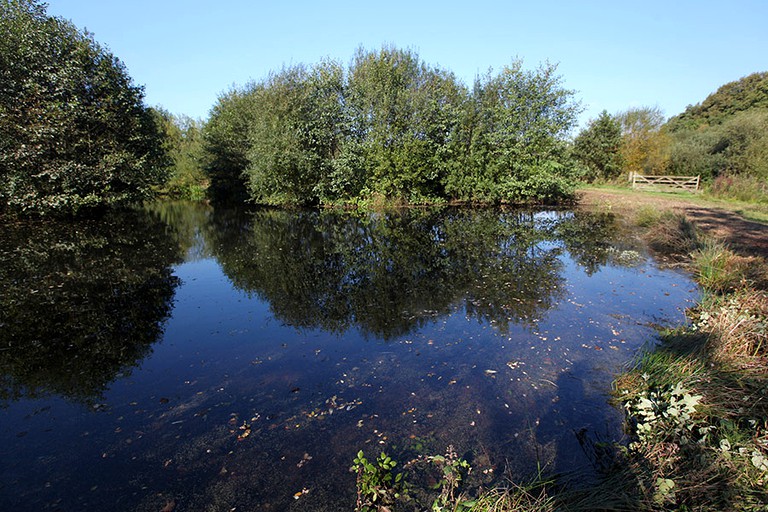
point(81, 303)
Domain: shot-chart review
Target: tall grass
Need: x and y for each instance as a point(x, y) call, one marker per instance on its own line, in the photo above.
point(751, 189)
point(714, 456)
point(670, 233)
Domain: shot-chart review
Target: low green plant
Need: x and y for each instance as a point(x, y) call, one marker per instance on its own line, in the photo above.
point(646, 216)
point(452, 469)
point(717, 268)
point(378, 487)
point(665, 413)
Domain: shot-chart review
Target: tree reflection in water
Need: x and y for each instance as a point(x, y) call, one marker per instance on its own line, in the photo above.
point(81, 302)
point(388, 274)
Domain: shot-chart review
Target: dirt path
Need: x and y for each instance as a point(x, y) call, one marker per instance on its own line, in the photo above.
point(744, 236)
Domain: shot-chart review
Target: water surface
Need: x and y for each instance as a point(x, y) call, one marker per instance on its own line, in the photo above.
point(228, 360)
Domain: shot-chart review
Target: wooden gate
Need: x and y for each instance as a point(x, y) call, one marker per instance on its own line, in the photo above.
point(646, 182)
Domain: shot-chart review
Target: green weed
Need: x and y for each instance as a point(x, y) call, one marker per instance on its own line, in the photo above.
point(378, 487)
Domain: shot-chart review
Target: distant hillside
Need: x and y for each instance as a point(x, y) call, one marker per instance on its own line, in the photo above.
point(748, 93)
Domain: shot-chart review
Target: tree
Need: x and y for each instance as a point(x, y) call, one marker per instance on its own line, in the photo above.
point(510, 146)
point(643, 145)
point(226, 143)
point(294, 133)
point(598, 147)
point(402, 114)
point(184, 145)
point(74, 132)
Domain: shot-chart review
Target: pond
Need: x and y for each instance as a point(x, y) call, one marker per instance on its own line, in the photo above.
point(189, 358)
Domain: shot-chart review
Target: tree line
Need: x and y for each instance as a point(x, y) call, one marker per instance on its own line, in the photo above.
point(391, 127)
point(76, 136)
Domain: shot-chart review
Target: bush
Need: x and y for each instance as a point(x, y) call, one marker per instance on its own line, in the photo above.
point(740, 188)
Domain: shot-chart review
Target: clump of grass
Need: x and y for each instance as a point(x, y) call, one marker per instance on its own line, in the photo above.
point(647, 216)
point(672, 234)
point(720, 270)
point(737, 326)
point(516, 497)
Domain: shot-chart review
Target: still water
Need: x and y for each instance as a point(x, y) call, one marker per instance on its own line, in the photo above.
point(185, 358)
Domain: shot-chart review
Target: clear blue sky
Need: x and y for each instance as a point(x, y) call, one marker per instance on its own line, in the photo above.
point(616, 54)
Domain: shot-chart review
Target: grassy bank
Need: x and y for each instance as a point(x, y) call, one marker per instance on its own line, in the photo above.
point(697, 404)
point(749, 210)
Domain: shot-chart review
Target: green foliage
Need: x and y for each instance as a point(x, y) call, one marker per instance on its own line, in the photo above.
point(725, 139)
point(738, 146)
point(704, 450)
point(378, 486)
point(294, 133)
point(74, 132)
point(694, 153)
point(744, 144)
point(749, 93)
point(509, 144)
point(598, 147)
point(226, 144)
point(392, 129)
point(184, 145)
point(452, 471)
point(401, 114)
point(664, 413)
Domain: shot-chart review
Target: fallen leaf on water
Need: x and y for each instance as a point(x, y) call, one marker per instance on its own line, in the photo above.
point(169, 507)
point(306, 458)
